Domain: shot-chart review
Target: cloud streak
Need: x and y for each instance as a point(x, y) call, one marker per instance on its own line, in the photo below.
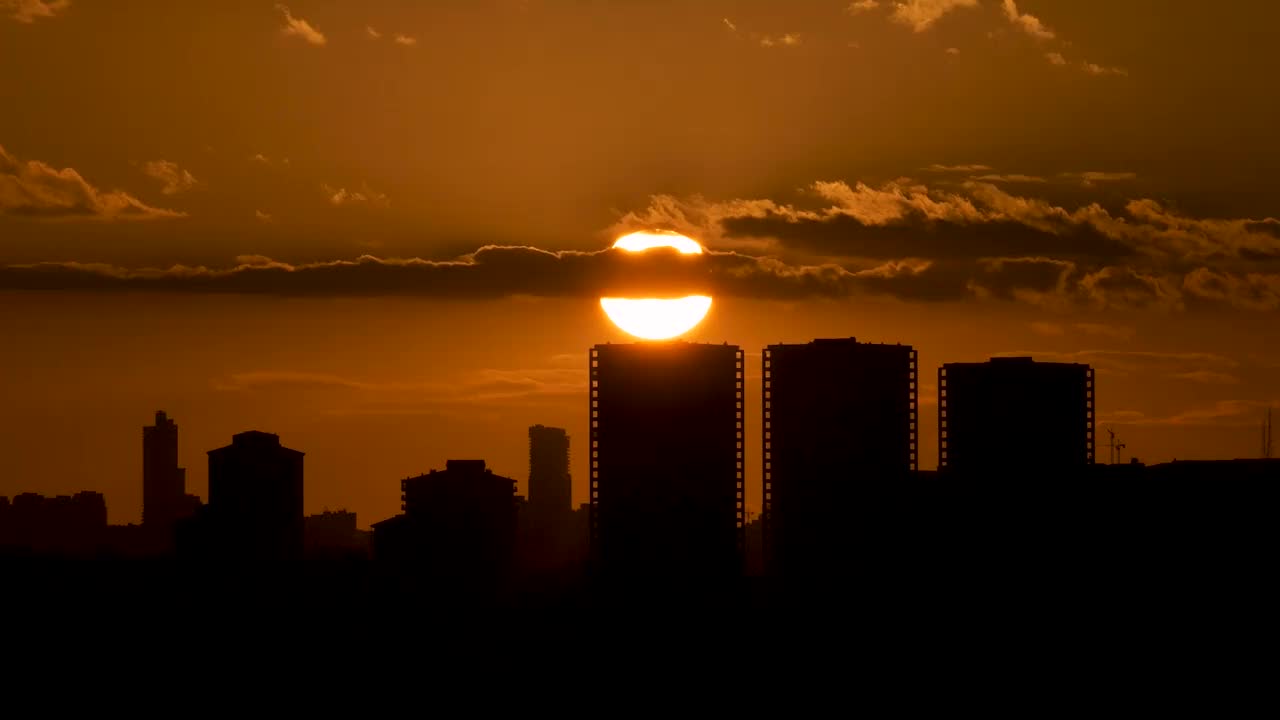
point(35, 189)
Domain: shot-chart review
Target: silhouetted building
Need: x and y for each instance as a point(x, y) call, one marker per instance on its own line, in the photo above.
point(458, 524)
point(839, 425)
point(65, 525)
point(550, 487)
point(334, 534)
point(667, 493)
point(255, 500)
point(164, 484)
point(1015, 419)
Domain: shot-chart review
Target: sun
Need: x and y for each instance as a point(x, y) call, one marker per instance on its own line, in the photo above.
point(657, 318)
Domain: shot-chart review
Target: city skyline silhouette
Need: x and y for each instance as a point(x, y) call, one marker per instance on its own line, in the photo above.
point(360, 319)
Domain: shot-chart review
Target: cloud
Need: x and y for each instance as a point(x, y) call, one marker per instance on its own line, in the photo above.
point(405, 40)
point(263, 216)
point(729, 24)
point(1088, 179)
point(36, 189)
point(922, 14)
point(974, 220)
point(977, 239)
point(861, 6)
point(174, 179)
point(298, 27)
point(371, 32)
point(1055, 58)
point(339, 197)
point(953, 51)
point(507, 271)
point(958, 168)
point(1029, 24)
point(28, 11)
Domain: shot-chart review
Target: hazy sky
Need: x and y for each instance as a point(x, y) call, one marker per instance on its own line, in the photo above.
point(377, 228)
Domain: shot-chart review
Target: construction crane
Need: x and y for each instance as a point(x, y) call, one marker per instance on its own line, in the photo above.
point(1115, 447)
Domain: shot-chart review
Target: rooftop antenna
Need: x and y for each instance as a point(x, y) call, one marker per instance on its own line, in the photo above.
point(1266, 436)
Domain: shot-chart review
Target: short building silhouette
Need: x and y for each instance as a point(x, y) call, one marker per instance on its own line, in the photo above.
point(64, 525)
point(334, 534)
point(458, 524)
point(255, 500)
point(1012, 418)
point(840, 421)
point(667, 495)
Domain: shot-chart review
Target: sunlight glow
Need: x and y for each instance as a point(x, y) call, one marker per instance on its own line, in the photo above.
point(641, 241)
point(655, 319)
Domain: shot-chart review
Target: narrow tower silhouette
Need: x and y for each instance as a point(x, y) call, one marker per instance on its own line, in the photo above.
point(164, 484)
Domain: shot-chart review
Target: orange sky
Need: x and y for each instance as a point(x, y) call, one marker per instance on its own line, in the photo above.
point(1087, 181)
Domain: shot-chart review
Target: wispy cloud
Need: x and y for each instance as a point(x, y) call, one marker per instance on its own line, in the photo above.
point(364, 196)
point(1055, 58)
point(28, 11)
point(263, 216)
point(785, 40)
point(1223, 413)
point(1093, 177)
point(861, 6)
point(371, 32)
point(1095, 69)
point(297, 27)
point(35, 189)
point(173, 178)
point(958, 168)
point(729, 24)
point(922, 14)
point(1010, 178)
point(405, 40)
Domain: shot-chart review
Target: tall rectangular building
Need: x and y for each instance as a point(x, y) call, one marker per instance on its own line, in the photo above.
point(840, 420)
point(667, 495)
point(255, 499)
point(550, 486)
point(1014, 418)
point(164, 484)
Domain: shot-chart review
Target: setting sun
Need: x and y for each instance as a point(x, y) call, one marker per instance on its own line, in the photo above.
point(657, 318)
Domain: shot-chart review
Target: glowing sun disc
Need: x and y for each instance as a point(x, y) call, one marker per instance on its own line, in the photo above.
point(656, 319)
